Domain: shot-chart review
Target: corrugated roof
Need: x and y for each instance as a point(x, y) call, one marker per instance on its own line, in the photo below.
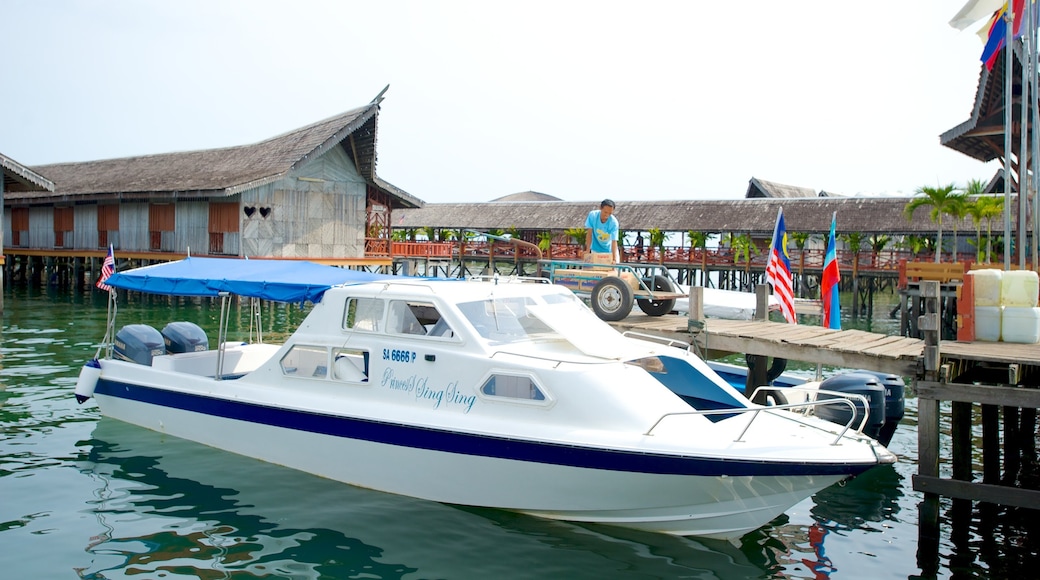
point(18, 177)
point(982, 135)
point(759, 188)
point(225, 171)
point(883, 215)
point(527, 196)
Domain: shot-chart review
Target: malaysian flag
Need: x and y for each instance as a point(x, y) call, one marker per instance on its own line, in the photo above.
point(107, 268)
point(778, 270)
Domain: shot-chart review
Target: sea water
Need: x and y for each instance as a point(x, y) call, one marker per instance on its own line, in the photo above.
point(86, 497)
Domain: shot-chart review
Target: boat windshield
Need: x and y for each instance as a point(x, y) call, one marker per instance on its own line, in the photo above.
point(510, 319)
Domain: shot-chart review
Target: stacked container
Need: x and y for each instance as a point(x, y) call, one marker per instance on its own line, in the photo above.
point(988, 307)
point(1020, 321)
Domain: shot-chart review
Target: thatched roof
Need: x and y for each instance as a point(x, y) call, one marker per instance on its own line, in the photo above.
point(982, 135)
point(759, 188)
point(883, 215)
point(527, 196)
point(226, 171)
point(18, 177)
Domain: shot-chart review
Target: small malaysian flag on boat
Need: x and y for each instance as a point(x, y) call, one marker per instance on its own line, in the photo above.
point(778, 270)
point(107, 268)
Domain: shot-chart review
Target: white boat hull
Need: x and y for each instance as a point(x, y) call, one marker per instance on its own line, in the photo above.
point(498, 395)
point(717, 506)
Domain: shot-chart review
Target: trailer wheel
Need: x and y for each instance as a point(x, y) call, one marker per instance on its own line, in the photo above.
point(657, 307)
point(611, 299)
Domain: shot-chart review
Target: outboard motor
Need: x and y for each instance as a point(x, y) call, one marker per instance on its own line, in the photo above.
point(184, 337)
point(895, 404)
point(855, 383)
point(138, 343)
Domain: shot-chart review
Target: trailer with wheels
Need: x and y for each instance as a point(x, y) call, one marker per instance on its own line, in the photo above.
point(613, 289)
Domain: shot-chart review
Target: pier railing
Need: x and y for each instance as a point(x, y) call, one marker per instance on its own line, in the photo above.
point(673, 256)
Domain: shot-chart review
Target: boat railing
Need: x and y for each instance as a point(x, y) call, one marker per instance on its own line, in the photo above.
point(496, 278)
point(661, 339)
point(758, 409)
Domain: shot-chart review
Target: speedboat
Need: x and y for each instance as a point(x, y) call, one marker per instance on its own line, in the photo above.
point(495, 393)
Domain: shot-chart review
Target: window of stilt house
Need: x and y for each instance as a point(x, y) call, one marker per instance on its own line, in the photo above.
point(108, 225)
point(161, 221)
point(63, 226)
point(223, 219)
point(19, 226)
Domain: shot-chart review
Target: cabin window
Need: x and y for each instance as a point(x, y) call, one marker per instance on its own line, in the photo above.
point(363, 314)
point(512, 387)
point(350, 364)
point(306, 361)
point(418, 318)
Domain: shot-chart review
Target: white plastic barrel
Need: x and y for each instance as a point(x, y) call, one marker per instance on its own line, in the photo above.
point(1020, 324)
point(987, 323)
point(987, 284)
point(1019, 288)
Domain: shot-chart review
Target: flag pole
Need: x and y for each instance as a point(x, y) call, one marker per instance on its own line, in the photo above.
point(1030, 21)
point(1024, 158)
point(772, 241)
point(1008, 104)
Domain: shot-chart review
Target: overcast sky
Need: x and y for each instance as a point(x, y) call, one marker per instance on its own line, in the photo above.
point(581, 100)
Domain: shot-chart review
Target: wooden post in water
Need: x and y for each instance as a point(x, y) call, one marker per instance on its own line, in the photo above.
point(758, 365)
point(928, 426)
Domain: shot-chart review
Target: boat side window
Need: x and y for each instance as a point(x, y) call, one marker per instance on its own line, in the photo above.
point(350, 364)
point(363, 313)
point(419, 318)
point(306, 361)
point(512, 387)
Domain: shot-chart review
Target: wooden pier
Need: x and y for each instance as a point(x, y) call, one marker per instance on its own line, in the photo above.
point(999, 381)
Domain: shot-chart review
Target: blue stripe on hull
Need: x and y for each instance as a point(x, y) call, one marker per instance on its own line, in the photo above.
point(467, 443)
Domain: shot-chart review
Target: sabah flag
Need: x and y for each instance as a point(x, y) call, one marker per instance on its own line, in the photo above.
point(829, 285)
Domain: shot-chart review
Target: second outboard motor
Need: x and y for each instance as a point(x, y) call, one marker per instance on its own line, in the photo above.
point(895, 404)
point(138, 343)
point(855, 383)
point(184, 337)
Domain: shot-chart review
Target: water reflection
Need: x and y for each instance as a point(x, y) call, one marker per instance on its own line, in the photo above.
point(164, 505)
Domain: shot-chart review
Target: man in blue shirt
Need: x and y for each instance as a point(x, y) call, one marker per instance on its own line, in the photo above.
point(601, 234)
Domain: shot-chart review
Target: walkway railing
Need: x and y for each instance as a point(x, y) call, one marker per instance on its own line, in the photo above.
point(865, 261)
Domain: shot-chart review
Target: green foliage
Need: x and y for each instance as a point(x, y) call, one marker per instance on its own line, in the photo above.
point(879, 241)
point(854, 240)
point(698, 239)
point(943, 200)
point(577, 235)
point(545, 241)
point(744, 247)
point(800, 238)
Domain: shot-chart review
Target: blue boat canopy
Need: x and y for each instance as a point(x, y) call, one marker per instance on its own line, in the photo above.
point(278, 280)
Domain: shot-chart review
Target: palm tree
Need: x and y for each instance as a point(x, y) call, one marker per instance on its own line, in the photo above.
point(545, 241)
point(993, 206)
point(975, 210)
point(957, 209)
point(657, 241)
point(801, 239)
point(700, 240)
point(942, 200)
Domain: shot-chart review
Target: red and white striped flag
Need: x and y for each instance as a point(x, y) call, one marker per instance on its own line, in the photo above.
point(107, 268)
point(778, 270)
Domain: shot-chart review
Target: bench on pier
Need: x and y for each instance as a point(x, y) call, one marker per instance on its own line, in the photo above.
point(942, 272)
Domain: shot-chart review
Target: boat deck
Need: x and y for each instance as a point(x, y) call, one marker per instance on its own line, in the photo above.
point(843, 348)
